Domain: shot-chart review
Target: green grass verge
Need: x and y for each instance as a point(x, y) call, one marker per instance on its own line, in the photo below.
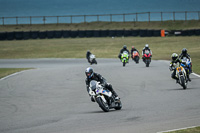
point(7, 71)
point(102, 47)
point(189, 130)
point(167, 25)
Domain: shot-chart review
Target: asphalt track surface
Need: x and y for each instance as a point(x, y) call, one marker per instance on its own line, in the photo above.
point(52, 98)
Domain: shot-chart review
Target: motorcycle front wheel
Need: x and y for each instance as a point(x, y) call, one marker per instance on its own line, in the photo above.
point(183, 82)
point(137, 60)
point(147, 63)
point(104, 106)
point(124, 63)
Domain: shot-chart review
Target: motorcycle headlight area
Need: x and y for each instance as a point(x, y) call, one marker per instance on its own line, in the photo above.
point(179, 69)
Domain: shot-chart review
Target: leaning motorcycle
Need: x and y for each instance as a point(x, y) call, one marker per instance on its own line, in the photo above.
point(92, 59)
point(135, 56)
point(182, 77)
point(147, 57)
point(186, 64)
point(103, 97)
point(124, 58)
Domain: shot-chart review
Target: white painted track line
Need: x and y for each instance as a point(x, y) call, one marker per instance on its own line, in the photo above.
point(177, 129)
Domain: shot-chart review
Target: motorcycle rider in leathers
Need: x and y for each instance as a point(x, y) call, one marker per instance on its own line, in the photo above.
point(185, 54)
point(132, 50)
point(143, 51)
point(173, 65)
point(122, 50)
point(88, 56)
point(91, 75)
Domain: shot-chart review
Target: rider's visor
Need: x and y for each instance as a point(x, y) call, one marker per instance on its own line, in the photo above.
point(88, 74)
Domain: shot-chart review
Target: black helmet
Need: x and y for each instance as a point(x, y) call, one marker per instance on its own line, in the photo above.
point(174, 56)
point(89, 72)
point(184, 51)
point(124, 47)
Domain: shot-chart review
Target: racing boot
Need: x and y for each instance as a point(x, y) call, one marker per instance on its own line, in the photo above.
point(115, 95)
point(109, 87)
point(188, 77)
point(143, 59)
point(177, 80)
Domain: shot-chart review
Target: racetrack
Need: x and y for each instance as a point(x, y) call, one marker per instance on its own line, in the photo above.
point(53, 98)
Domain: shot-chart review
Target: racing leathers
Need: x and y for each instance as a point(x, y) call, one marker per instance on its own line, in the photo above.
point(132, 50)
point(143, 52)
point(173, 65)
point(188, 57)
point(121, 51)
point(88, 56)
point(102, 81)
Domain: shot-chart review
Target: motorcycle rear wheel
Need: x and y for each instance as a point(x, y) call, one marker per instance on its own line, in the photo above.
point(119, 106)
point(94, 61)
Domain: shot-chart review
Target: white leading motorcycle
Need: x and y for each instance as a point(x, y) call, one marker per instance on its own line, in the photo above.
point(92, 59)
point(181, 75)
point(103, 97)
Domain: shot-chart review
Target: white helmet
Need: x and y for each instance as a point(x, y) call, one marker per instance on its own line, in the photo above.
point(147, 46)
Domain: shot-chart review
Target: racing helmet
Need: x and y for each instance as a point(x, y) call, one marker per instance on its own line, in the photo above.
point(184, 51)
point(89, 72)
point(146, 46)
point(174, 56)
point(124, 47)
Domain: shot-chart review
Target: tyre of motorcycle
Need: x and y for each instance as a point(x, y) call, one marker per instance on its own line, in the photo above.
point(147, 62)
point(124, 63)
point(183, 82)
point(94, 61)
point(137, 59)
point(118, 105)
point(104, 106)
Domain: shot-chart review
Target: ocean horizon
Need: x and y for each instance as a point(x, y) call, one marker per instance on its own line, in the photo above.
point(21, 8)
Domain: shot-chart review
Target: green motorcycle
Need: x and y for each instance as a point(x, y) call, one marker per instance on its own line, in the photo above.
point(124, 58)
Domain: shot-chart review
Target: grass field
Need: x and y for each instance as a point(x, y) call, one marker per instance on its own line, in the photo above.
point(7, 71)
point(189, 130)
point(162, 48)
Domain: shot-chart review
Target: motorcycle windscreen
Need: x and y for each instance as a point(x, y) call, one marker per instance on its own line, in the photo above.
point(93, 84)
point(135, 53)
point(146, 52)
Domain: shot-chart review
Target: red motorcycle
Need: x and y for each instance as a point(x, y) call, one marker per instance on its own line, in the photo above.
point(147, 57)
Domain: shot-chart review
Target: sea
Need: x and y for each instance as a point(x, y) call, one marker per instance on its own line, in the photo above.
point(35, 11)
